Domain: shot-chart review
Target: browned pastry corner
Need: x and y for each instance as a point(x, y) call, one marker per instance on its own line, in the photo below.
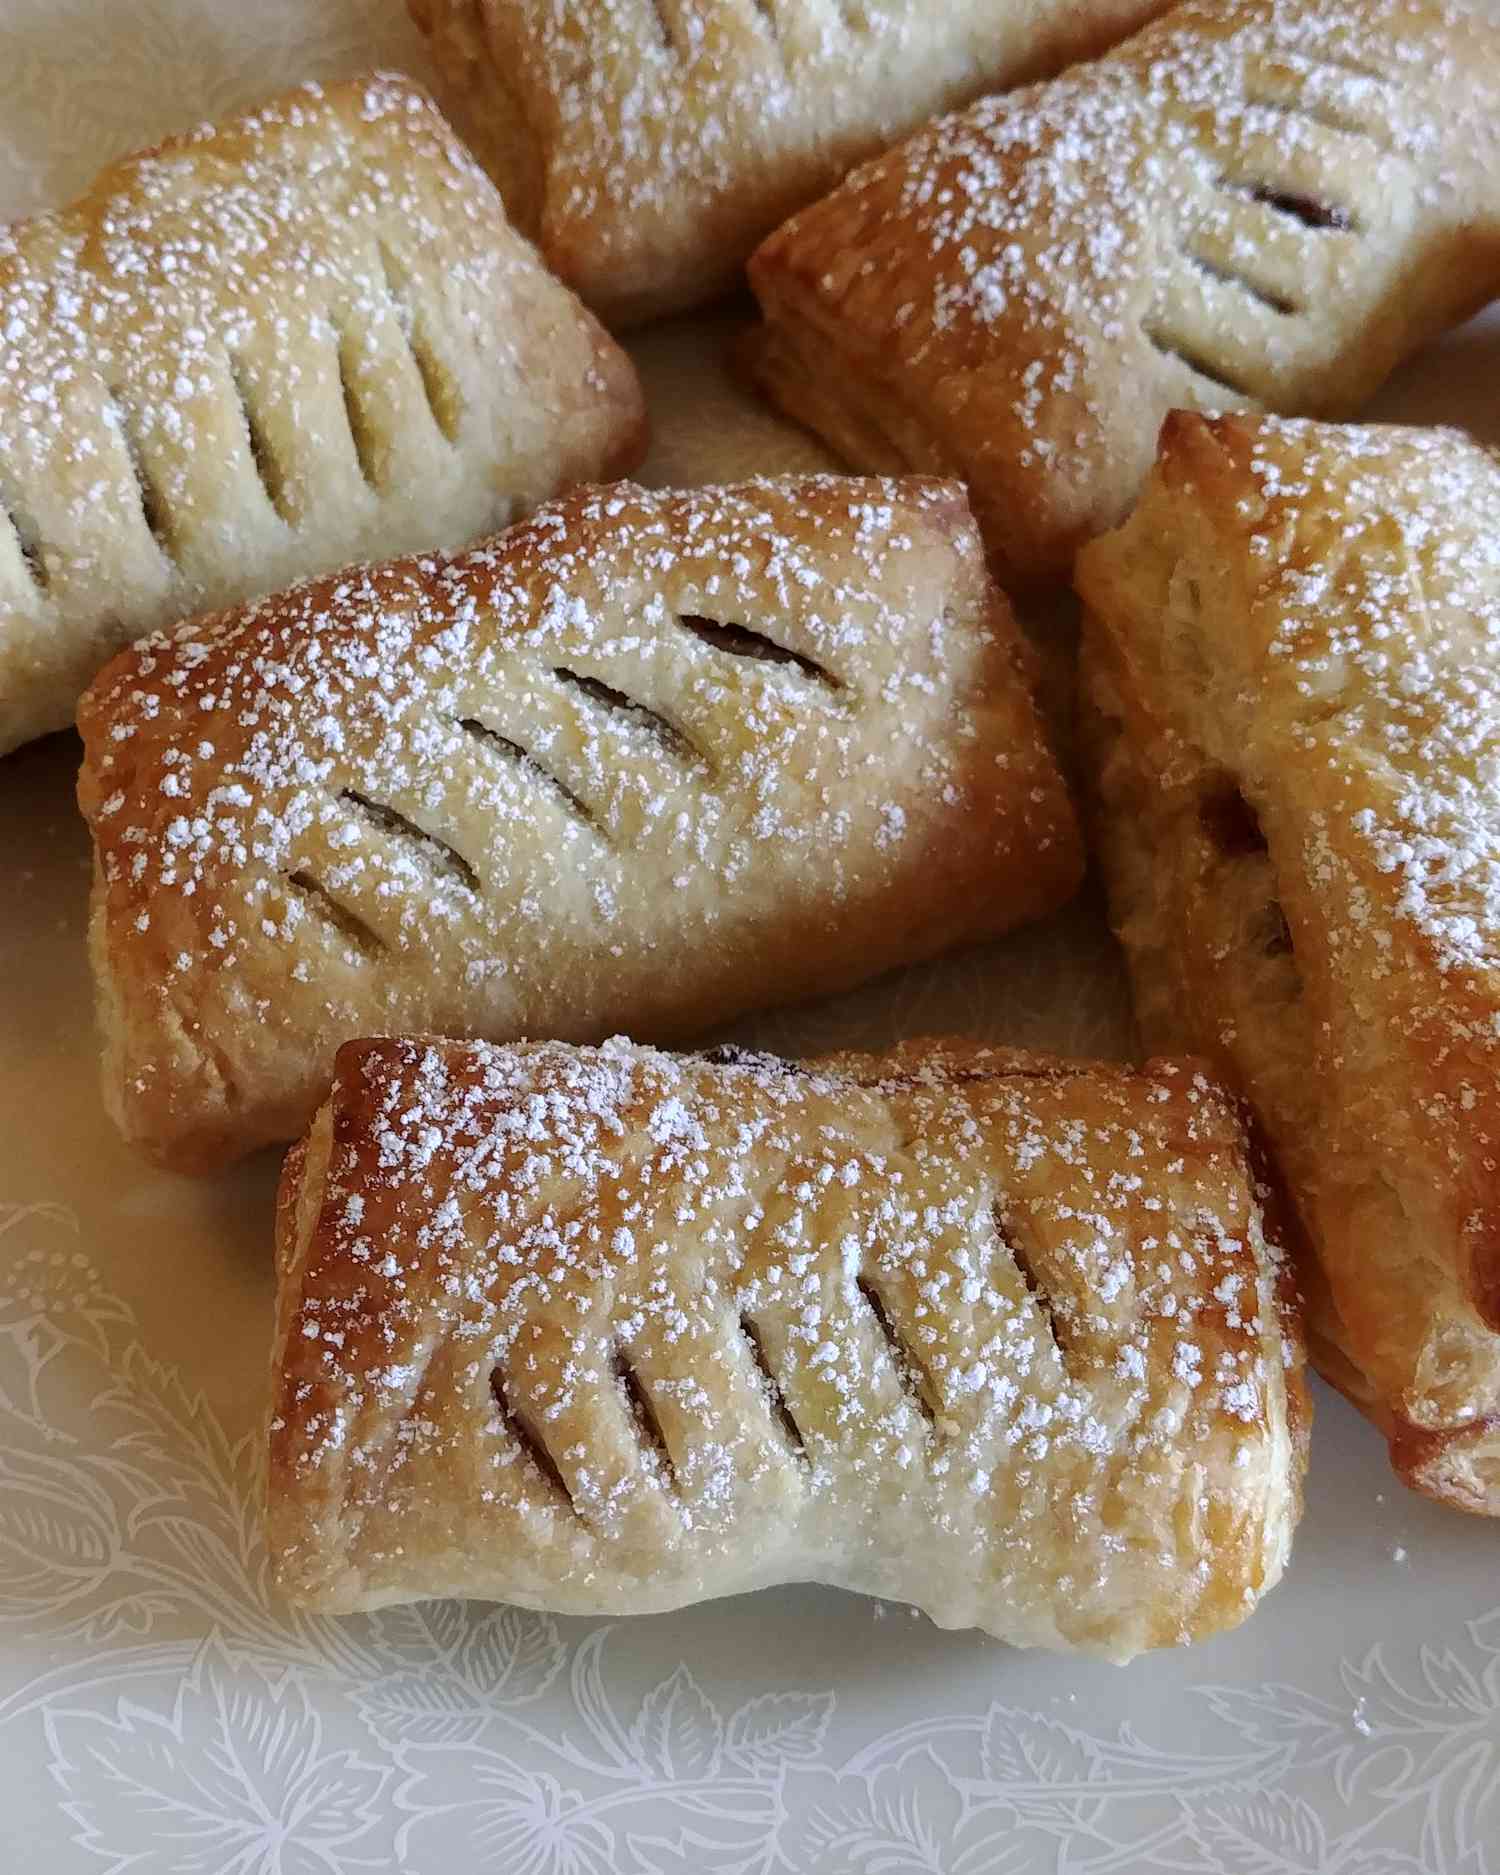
point(1270, 202)
point(609, 1331)
point(647, 145)
point(1292, 688)
point(306, 337)
point(645, 761)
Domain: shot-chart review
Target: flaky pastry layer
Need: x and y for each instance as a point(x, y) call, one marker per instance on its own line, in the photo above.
point(1269, 202)
point(643, 762)
point(305, 337)
point(1292, 678)
point(610, 1331)
point(647, 145)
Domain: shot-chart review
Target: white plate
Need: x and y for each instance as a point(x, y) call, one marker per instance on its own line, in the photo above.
point(159, 1714)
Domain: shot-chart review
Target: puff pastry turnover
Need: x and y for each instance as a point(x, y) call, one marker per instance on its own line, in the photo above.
point(307, 337)
point(649, 144)
point(610, 1331)
point(645, 761)
point(1293, 665)
point(1264, 203)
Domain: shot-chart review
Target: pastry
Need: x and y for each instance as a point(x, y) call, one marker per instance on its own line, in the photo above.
point(649, 144)
point(608, 1331)
point(1293, 674)
point(260, 351)
point(645, 761)
point(1260, 203)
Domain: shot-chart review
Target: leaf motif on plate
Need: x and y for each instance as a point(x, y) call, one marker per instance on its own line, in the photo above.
point(907, 1818)
point(511, 1819)
point(678, 1733)
point(1262, 1832)
point(233, 1777)
point(1284, 1717)
point(777, 1729)
point(482, 1662)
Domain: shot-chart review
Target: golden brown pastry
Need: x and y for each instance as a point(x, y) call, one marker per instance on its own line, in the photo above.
point(1293, 667)
point(645, 761)
point(1259, 203)
point(609, 1331)
point(260, 351)
point(649, 144)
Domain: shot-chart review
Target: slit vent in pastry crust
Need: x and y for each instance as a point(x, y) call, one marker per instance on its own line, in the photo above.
point(306, 337)
point(610, 1331)
point(1292, 684)
point(643, 762)
point(647, 145)
point(1268, 203)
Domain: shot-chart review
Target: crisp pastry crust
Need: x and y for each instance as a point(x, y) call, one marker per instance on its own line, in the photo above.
point(608, 1331)
point(1268, 203)
point(645, 761)
point(1293, 689)
point(647, 145)
point(306, 337)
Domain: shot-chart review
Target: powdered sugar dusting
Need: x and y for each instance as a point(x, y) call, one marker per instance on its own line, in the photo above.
point(597, 766)
point(912, 1290)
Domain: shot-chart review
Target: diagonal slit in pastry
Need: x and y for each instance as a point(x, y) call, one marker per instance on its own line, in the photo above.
point(268, 470)
point(528, 764)
point(671, 738)
point(389, 820)
point(28, 543)
point(440, 387)
point(916, 1381)
point(745, 641)
point(775, 1398)
point(1193, 360)
point(641, 1409)
point(1276, 303)
point(313, 893)
point(1011, 1242)
point(369, 450)
point(526, 1436)
point(155, 508)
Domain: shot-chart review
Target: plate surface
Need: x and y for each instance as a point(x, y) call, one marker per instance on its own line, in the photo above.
point(158, 1713)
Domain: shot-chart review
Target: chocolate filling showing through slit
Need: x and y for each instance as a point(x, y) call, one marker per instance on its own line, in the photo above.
point(529, 765)
point(776, 1400)
point(642, 1410)
point(360, 937)
point(155, 508)
point(28, 544)
point(525, 1434)
point(916, 1382)
point(639, 715)
point(1021, 1257)
point(390, 820)
point(1233, 829)
point(263, 457)
point(742, 641)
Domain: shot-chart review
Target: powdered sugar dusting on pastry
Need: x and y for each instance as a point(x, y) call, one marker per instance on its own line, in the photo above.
point(648, 146)
point(1264, 204)
point(673, 1320)
point(647, 758)
point(305, 337)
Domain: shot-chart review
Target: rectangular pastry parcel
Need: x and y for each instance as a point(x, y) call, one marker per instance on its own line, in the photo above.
point(642, 763)
point(609, 1331)
point(647, 145)
point(1257, 203)
point(1292, 677)
point(304, 337)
